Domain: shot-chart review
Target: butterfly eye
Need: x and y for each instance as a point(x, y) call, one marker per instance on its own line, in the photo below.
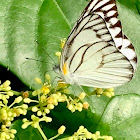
point(56, 68)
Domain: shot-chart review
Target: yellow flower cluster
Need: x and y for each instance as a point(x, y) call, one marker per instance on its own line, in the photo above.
point(8, 113)
point(63, 41)
point(46, 99)
point(107, 92)
point(5, 91)
point(7, 134)
point(83, 134)
point(49, 97)
point(35, 121)
point(58, 54)
point(74, 104)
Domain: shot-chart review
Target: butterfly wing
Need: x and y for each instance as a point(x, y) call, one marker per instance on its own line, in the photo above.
point(97, 53)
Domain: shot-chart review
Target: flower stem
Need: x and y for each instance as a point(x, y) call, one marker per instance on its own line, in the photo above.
point(11, 104)
point(54, 137)
point(16, 93)
point(42, 133)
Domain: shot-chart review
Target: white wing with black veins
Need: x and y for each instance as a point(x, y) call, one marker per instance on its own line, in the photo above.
point(97, 52)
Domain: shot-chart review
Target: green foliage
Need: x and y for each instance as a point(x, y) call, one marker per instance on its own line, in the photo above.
point(30, 28)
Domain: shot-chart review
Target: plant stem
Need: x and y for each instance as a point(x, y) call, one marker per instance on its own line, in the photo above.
point(54, 137)
point(16, 93)
point(42, 133)
point(11, 104)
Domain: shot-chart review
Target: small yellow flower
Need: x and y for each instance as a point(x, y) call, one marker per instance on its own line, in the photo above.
point(62, 85)
point(48, 78)
point(35, 109)
point(38, 81)
point(39, 113)
point(10, 93)
point(18, 99)
point(6, 83)
point(46, 110)
point(45, 89)
point(27, 100)
point(110, 89)
point(99, 91)
point(50, 100)
point(58, 54)
point(25, 94)
point(82, 95)
point(63, 42)
point(61, 129)
point(48, 119)
point(50, 106)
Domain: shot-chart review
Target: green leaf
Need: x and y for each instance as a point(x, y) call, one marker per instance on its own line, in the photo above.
point(121, 118)
point(138, 6)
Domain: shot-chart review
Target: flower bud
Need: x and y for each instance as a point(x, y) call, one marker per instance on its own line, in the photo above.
point(14, 131)
point(45, 89)
point(18, 99)
point(3, 134)
point(82, 95)
point(85, 105)
point(50, 106)
point(58, 54)
point(46, 110)
point(63, 42)
point(37, 92)
point(34, 109)
point(8, 88)
point(39, 113)
point(81, 127)
point(97, 133)
point(24, 126)
point(25, 94)
point(27, 100)
point(7, 137)
point(70, 106)
point(66, 91)
point(6, 83)
point(10, 93)
point(38, 81)
point(48, 119)
point(99, 91)
point(12, 136)
point(61, 129)
point(47, 76)
point(109, 138)
point(24, 106)
point(110, 89)
point(24, 120)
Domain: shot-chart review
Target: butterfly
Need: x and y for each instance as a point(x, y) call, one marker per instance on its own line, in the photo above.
point(97, 53)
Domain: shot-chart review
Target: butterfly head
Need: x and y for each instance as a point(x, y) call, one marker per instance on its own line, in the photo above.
point(56, 68)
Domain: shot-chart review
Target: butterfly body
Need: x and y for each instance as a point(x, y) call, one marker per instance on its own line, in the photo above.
point(97, 53)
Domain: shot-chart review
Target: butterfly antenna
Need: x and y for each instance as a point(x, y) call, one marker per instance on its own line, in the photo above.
point(37, 60)
point(46, 53)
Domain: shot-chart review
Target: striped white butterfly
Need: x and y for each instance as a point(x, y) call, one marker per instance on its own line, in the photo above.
point(97, 53)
